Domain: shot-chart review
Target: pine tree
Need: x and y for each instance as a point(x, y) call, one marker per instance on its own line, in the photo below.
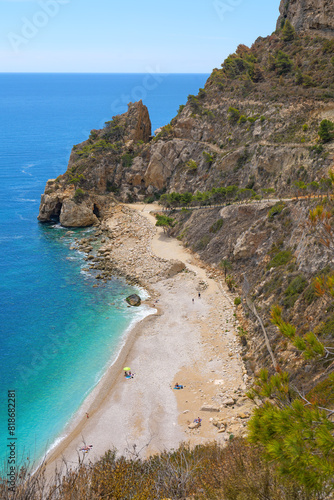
point(326, 130)
point(288, 32)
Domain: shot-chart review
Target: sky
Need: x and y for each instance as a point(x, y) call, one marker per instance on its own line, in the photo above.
point(128, 36)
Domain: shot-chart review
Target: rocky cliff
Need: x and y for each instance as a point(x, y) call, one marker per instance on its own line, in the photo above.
point(96, 169)
point(313, 16)
point(254, 125)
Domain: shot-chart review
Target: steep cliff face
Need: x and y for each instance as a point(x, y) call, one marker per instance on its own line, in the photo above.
point(272, 257)
point(313, 16)
point(96, 167)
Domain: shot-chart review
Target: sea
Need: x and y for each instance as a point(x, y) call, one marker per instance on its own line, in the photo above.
point(58, 332)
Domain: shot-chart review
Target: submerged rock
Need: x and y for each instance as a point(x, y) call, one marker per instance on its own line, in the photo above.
point(133, 300)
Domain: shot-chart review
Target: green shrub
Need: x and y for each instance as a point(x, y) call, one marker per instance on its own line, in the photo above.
point(201, 93)
point(230, 282)
point(93, 135)
point(242, 119)
point(276, 209)
point(295, 288)
point(310, 294)
point(328, 47)
point(209, 158)
point(127, 159)
point(113, 131)
point(326, 328)
point(318, 149)
point(280, 259)
point(194, 104)
point(191, 165)
point(308, 81)
point(237, 301)
point(233, 115)
point(326, 130)
point(79, 195)
point(186, 198)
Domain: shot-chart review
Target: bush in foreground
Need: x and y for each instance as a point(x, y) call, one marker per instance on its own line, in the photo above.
point(204, 472)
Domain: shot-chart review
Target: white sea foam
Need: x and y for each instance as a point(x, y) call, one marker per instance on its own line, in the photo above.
point(25, 200)
point(10, 238)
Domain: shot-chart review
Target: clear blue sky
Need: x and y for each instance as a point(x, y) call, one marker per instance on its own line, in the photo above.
point(130, 36)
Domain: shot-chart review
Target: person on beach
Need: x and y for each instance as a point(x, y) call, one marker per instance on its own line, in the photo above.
point(193, 301)
point(87, 415)
point(177, 386)
point(197, 420)
point(86, 449)
point(199, 295)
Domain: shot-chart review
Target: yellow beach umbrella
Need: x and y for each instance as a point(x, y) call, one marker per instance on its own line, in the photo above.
point(127, 369)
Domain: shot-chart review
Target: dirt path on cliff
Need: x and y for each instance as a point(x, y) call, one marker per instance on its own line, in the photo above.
point(191, 340)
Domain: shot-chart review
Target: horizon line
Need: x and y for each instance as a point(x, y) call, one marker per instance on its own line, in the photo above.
point(96, 73)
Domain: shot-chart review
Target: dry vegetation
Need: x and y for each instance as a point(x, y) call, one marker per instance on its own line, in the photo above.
point(206, 472)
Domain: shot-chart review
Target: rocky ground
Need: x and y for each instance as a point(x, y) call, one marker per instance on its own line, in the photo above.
point(121, 246)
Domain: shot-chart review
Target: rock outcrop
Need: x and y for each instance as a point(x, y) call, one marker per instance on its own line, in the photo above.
point(133, 300)
point(313, 16)
point(96, 168)
point(138, 122)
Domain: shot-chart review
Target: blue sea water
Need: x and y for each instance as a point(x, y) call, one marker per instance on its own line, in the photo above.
point(58, 332)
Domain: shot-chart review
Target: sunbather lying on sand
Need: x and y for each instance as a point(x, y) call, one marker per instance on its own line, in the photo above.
point(85, 449)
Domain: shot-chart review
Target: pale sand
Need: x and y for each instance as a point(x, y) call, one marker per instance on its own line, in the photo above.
point(194, 344)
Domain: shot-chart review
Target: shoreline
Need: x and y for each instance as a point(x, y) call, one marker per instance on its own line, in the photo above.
point(99, 392)
point(145, 411)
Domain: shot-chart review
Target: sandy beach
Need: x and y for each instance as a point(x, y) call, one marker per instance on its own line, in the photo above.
point(189, 338)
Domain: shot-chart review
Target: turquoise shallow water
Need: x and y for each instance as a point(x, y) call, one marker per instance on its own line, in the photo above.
point(57, 331)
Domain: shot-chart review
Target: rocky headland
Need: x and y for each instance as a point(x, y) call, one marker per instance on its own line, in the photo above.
point(254, 125)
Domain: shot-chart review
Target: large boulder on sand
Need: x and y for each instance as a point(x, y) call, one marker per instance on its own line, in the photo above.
point(176, 267)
